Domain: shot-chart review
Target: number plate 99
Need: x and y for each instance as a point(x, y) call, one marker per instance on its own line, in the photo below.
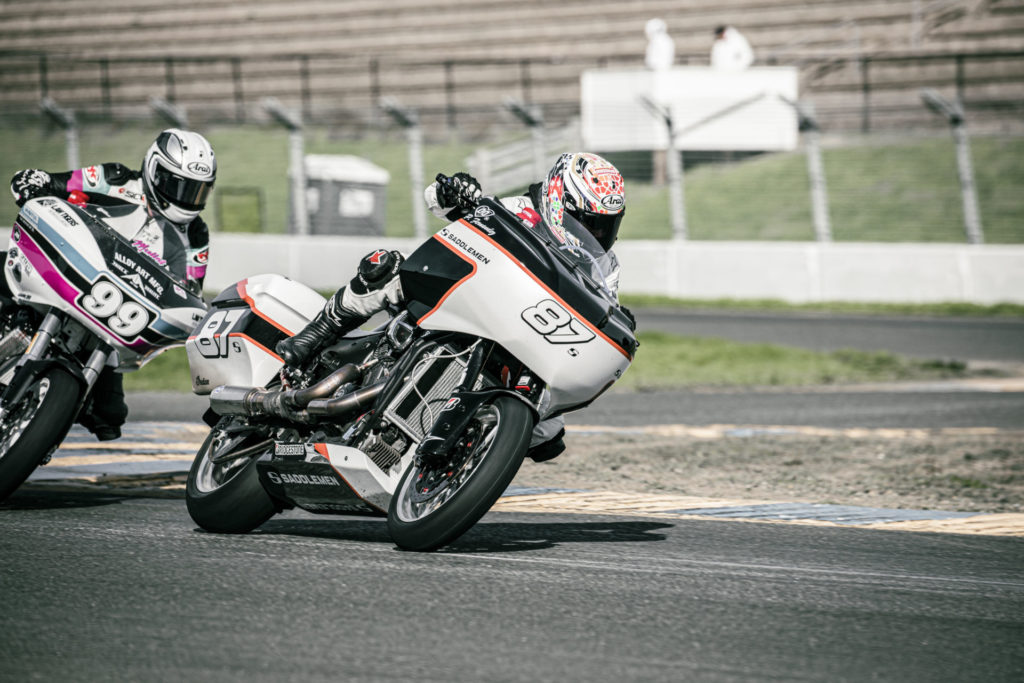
point(106, 303)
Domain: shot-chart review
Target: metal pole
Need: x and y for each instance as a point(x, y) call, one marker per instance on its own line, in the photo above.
point(674, 169)
point(71, 140)
point(676, 189)
point(954, 113)
point(819, 190)
point(815, 168)
point(414, 134)
point(65, 118)
point(410, 121)
point(865, 86)
point(297, 171)
point(968, 191)
point(296, 161)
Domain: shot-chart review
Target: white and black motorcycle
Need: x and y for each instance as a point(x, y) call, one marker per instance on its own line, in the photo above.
point(84, 297)
point(425, 419)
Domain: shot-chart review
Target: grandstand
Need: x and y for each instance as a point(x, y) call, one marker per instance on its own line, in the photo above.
point(861, 61)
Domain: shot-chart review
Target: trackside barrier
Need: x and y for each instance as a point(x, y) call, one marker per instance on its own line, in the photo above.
point(792, 271)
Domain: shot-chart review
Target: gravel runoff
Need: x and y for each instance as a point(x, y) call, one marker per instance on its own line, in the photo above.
point(967, 470)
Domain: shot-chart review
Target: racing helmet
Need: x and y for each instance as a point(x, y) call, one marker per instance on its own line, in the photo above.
point(178, 173)
point(591, 190)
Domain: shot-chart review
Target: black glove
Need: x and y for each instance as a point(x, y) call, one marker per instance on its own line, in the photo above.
point(29, 184)
point(461, 190)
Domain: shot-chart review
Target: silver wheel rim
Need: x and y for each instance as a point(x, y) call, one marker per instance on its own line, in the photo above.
point(16, 420)
point(409, 511)
point(211, 476)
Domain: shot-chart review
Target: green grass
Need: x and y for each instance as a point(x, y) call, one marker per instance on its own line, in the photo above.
point(666, 360)
point(774, 305)
point(904, 191)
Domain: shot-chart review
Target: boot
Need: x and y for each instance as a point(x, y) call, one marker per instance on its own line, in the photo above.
point(329, 324)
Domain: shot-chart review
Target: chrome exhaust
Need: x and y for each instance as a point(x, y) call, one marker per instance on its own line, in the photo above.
point(251, 401)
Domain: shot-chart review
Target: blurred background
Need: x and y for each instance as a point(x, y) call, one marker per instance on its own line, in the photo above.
point(856, 121)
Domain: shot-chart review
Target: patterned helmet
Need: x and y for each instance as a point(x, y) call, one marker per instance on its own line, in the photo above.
point(178, 174)
point(591, 190)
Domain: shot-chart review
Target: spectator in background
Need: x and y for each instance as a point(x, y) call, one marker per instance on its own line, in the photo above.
point(730, 51)
point(661, 49)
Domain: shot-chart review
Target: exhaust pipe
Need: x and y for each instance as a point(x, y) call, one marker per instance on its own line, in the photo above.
point(360, 399)
point(249, 401)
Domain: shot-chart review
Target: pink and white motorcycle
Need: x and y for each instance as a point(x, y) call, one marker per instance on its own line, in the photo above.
point(425, 419)
point(84, 297)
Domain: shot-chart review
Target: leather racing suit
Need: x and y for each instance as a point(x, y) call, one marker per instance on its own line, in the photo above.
point(184, 248)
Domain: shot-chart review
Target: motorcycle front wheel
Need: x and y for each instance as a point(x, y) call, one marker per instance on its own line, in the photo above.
point(223, 493)
point(438, 501)
point(31, 428)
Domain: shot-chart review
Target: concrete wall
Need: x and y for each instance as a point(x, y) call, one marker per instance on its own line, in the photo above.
point(790, 271)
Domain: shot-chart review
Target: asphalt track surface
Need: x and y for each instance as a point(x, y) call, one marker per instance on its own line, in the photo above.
point(101, 586)
point(110, 588)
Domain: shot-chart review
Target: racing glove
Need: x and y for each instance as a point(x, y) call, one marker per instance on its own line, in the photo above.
point(461, 190)
point(29, 184)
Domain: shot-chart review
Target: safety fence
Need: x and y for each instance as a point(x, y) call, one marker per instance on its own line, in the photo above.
point(866, 92)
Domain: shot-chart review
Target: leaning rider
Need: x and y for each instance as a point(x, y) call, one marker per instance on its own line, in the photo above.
point(178, 172)
point(585, 185)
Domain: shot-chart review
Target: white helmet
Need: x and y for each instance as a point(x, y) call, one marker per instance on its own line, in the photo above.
point(588, 188)
point(178, 174)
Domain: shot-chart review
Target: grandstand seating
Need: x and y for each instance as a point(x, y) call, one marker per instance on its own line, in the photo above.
point(227, 55)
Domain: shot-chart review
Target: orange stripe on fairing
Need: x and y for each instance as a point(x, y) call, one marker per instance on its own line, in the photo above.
point(252, 306)
point(462, 256)
point(255, 343)
point(321, 448)
point(560, 300)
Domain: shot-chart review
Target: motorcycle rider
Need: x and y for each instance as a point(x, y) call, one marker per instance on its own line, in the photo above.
point(585, 185)
point(178, 172)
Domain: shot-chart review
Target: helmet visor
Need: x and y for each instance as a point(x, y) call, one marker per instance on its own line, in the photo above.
point(187, 193)
point(603, 226)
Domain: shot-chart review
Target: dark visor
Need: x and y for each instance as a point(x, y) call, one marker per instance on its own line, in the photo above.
point(184, 192)
point(603, 226)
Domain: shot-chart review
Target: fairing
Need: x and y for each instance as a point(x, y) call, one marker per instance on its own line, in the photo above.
point(538, 296)
point(69, 258)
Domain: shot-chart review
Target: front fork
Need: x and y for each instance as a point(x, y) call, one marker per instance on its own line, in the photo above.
point(34, 362)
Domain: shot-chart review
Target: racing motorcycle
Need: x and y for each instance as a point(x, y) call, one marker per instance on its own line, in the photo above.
point(426, 418)
point(84, 297)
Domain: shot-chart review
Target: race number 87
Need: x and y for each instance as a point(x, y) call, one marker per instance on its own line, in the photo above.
point(212, 340)
point(550, 319)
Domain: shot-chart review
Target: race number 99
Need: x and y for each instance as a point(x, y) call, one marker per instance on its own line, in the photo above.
point(557, 325)
point(105, 302)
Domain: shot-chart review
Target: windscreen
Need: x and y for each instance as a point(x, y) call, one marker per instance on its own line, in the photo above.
point(576, 245)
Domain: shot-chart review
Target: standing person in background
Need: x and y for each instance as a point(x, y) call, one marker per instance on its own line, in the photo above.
point(730, 51)
point(661, 49)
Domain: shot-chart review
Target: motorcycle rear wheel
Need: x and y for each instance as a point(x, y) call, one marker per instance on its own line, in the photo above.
point(32, 428)
point(461, 491)
point(226, 496)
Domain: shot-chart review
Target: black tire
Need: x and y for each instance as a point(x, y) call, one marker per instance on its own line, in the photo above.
point(33, 427)
point(412, 528)
point(227, 498)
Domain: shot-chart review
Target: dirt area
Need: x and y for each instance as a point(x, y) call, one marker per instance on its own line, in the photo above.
point(964, 470)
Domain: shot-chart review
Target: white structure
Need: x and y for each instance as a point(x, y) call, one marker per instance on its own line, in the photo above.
point(710, 109)
point(790, 271)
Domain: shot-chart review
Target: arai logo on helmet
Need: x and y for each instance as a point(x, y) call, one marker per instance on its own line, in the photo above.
point(613, 201)
point(199, 167)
